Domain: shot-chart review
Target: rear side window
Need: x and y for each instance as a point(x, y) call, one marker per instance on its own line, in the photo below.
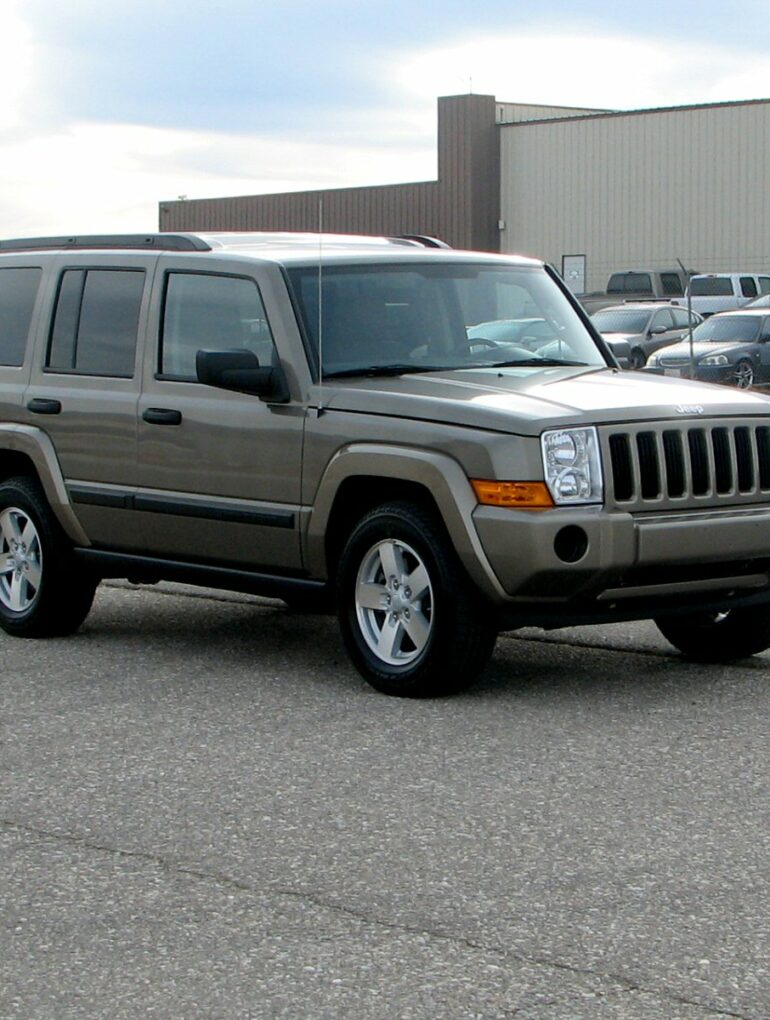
point(18, 290)
point(764, 284)
point(96, 321)
point(671, 284)
point(748, 286)
point(205, 311)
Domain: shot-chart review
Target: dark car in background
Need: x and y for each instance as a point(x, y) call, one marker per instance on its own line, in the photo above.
point(730, 347)
point(634, 331)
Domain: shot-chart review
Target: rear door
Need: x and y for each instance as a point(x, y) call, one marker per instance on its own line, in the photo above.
point(218, 471)
point(84, 383)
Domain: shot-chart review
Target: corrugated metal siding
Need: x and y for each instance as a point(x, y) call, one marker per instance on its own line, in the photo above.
point(389, 209)
point(641, 189)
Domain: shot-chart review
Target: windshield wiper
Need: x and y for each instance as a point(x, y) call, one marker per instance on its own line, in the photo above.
point(371, 371)
point(547, 362)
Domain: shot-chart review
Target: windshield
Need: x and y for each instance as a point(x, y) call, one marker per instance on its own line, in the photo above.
point(625, 321)
point(397, 318)
point(729, 327)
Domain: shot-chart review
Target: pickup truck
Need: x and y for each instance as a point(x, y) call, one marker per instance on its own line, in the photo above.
point(635, 285)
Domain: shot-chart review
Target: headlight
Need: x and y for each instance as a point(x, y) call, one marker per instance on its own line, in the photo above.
point(714, 359)
point(573, 471)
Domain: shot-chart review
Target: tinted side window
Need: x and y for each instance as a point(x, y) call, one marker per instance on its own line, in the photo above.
point(748, 287)
point(672, 285)
point(96, 322)
point(205, 311)
point(18, 290)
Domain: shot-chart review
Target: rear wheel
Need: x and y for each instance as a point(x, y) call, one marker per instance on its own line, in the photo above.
point(411, 621)
point(43, 591)
point(719, 637)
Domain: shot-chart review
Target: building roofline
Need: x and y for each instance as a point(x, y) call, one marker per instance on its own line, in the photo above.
point(296, 194)
point(636, 113)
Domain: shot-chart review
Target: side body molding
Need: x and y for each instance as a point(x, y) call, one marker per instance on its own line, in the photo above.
point(438, 473)
point(36, 445)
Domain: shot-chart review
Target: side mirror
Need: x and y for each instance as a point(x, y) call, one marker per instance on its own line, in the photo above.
point(240, 370)
point(657, 330)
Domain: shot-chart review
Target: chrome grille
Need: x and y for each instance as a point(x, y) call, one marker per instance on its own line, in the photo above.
point(670, 465)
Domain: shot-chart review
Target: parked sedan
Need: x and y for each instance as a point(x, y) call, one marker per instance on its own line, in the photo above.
point(634, 331)
point(730, 347)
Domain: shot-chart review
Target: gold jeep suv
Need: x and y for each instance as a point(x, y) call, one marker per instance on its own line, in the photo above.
point(436, 443)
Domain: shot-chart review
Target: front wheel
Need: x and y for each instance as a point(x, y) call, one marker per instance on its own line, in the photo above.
point(410, 619)
point(744, 375)
point(637, 358)
point(43, 591)
point(719, 637)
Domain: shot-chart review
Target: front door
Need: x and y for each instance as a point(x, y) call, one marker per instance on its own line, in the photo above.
point(218, 472)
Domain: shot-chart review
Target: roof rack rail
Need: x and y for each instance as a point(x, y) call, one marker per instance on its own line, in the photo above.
point(423, 239)
point(158, 242)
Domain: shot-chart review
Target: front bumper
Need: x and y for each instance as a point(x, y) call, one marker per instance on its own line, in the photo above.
point(592, 563)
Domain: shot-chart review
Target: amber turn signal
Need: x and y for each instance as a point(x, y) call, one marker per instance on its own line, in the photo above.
point(514, 495)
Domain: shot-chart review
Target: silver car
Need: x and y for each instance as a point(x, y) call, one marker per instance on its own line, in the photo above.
point(636, 330)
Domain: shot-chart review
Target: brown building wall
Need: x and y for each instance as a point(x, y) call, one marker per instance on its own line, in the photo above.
point(461, 207)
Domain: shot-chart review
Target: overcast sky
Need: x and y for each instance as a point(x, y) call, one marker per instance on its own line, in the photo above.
point(108, 107)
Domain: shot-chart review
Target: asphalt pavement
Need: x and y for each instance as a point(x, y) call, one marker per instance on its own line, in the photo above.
point(205, 813)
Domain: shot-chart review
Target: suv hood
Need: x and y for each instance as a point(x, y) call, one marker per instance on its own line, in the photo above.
point(526, 400)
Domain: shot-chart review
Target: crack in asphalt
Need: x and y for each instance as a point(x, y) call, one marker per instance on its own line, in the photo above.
point(361, 917)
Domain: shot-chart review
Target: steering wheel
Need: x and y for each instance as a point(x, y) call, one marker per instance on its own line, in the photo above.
point(482, 341)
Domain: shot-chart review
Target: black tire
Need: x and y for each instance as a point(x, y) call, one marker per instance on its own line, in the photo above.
point(744, 375)
point(431, 641)
point(637, 359)
point(43, 590)
point(719, 637)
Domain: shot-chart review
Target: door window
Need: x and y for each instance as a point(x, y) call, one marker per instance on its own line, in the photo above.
point(205, 311)
point(748, 286)
point(662, 320)
point(671, 284)
point(96, 322)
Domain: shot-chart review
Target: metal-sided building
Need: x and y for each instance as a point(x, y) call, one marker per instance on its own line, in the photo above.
point(591, 191)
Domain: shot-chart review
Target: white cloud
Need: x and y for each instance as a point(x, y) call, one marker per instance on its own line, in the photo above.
point(594, 70)
point(16, 64)
point(111, 177)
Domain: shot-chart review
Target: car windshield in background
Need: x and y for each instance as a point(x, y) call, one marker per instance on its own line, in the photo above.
point(386, 319)
point(625, 321)
point(729, 327)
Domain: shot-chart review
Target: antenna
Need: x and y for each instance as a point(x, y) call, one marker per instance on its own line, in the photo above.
point(320, 305)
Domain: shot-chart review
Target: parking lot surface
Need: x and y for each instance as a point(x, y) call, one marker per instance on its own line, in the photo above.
point(205, 813)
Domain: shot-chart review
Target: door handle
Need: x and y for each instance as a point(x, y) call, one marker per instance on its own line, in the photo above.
point(41, 405)
point(162, 416)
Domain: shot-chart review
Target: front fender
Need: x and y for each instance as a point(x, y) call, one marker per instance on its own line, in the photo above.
point(440, 475)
